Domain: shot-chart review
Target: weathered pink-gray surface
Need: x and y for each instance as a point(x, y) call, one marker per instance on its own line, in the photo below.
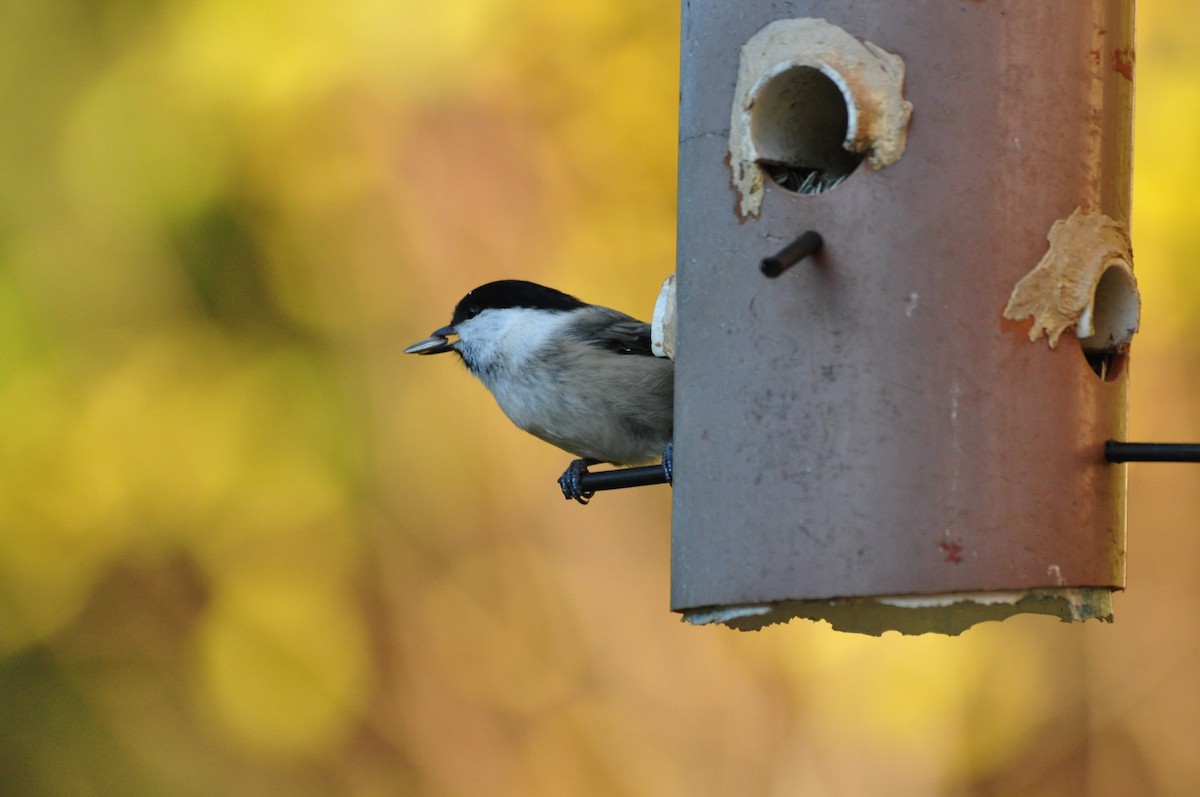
point(869, 424)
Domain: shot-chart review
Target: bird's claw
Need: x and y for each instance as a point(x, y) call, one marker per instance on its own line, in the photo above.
point(668, 461)
point(571, 482)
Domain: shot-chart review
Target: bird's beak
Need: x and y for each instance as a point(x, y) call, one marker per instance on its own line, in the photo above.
point(436, 343)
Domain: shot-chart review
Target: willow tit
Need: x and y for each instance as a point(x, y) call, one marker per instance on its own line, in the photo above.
point(576, 375)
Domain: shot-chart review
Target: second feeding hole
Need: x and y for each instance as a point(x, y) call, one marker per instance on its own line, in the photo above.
point(1112, 321)
point(800, 122)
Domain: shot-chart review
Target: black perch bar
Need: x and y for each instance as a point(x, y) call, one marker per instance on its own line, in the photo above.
point(595, 481)
point(807, 244)
point(1116, 451)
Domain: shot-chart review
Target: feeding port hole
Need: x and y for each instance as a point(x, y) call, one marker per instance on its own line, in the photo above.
point(800, 122)
point(1112, 320)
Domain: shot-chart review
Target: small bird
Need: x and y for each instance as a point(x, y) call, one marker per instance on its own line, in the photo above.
point(577, 375)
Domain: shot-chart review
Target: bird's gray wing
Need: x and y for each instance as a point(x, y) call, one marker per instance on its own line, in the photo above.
point(617, 332)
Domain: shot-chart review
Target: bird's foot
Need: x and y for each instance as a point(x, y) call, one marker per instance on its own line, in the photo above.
point(571, 482)
point(668, 461)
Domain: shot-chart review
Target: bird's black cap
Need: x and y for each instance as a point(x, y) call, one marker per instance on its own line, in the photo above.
point(512, 293)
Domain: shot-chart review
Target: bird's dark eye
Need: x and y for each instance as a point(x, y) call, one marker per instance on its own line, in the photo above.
point(473, 311)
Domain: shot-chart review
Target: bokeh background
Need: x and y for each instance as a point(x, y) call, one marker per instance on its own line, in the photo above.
point(247, 548)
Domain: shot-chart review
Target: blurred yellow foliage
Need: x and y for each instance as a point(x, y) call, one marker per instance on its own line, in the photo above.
point(283, 657)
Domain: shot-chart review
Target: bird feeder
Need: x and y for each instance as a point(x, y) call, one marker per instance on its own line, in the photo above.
point(904, 429)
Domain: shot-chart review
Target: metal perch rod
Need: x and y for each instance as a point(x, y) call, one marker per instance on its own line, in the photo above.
point(1116, 451)
point(595, 481)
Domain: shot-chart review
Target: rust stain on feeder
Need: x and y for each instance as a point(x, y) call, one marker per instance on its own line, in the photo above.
point(1123, 61)
point(953, 550)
